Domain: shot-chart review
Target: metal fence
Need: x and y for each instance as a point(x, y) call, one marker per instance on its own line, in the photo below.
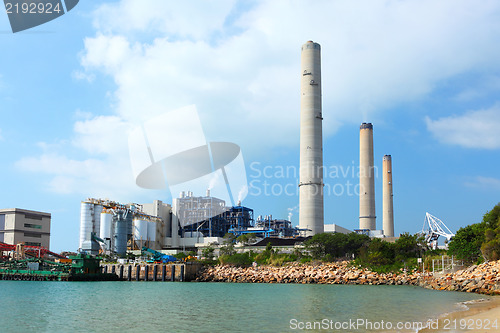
point(446, 265)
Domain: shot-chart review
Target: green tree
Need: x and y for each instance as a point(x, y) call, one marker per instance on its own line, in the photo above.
point(335, 245)
point(407, 246)
point(467, 242)
point(208, 252)
point(246, 239)
point(491, 245)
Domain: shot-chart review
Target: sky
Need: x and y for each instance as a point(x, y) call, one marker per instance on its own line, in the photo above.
point(426, 73)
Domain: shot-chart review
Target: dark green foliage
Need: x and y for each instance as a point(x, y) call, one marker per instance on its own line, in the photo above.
point(238, 259)
point(227, 250)
point(181, 255)
point(208, 252)
point(479, 240)
point(467, 242)
point(382, 256)
point(246, 239)
point(408, 246)
point(491, 245)
point(329, 246)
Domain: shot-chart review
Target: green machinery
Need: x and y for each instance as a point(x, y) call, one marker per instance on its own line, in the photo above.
point(83, 267)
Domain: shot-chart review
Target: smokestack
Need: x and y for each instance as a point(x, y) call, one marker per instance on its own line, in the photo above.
point(366, 178)
point(311, 141)
point(387, 204)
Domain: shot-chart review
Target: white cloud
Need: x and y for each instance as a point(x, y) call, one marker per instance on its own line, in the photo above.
point(488, 183)
point(102, 168)
point(81, 75)
point(181, 19)
point(473, 129)
point(110, 177)
point(240, 66)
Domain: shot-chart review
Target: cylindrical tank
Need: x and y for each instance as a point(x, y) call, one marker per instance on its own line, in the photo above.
point(141, 231)
point(105, 225)
point(97, 219)
point(120, 234)
point(152, 233)
point(129, 221)
point(86, 225)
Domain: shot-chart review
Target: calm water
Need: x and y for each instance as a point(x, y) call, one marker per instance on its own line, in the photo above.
point(207, 307)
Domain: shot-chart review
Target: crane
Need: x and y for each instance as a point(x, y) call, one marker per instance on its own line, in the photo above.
point(433, 228)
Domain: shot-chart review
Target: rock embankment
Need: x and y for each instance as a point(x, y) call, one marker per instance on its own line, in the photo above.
point(484, 278)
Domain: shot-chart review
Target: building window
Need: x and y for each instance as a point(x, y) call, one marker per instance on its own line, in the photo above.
point(32, 234)
point(32, 244)
point(1, 237)
point(34, 226)
point(33, 216)
point(2, 221)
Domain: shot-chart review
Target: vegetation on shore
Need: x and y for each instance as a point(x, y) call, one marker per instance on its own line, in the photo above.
point(480, 241)
point(474, 243)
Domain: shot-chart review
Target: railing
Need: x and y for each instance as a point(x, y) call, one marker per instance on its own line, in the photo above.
point(446, 265)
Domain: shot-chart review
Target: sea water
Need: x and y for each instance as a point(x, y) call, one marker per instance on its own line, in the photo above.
point(214, 307)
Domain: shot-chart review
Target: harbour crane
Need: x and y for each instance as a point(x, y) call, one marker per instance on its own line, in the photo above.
point(433, 228)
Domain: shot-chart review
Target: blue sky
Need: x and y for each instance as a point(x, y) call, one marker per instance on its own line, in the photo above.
point(425, 73)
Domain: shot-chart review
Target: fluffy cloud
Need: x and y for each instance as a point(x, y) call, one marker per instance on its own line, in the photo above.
point(104, 172)
point(240, 65)
point(487, 183)
point(474, 129)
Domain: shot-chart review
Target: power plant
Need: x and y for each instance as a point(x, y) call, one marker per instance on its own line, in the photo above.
point(367, 218)
point(192, 221)
point(387, 203)
point(311, 216)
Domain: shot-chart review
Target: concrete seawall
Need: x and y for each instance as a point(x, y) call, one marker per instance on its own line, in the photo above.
point(154, 272)
point(484, 278)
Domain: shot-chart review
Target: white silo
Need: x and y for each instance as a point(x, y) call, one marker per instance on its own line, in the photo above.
point(141, 231)
point(86, 224)
point(105, 225)
point(152, 234)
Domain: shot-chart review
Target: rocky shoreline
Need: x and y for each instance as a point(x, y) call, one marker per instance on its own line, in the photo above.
point(483, 279)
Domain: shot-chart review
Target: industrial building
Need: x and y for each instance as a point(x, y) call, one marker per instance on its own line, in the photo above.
point(112, 227)
point(25, 226)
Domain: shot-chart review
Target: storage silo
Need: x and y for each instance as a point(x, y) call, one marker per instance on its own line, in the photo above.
point(152, 234)
point(97, 219)
point(141, 231)
point(120, 232)
point(105, 225)
point(86, 225)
